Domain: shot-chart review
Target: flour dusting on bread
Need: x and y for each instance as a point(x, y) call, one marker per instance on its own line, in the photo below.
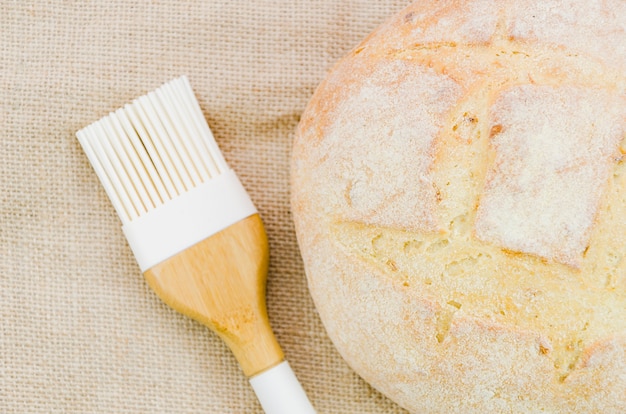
point(386, 139)
point(555, 148)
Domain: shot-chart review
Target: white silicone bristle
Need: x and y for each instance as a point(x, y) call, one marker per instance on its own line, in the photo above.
point(153, 150)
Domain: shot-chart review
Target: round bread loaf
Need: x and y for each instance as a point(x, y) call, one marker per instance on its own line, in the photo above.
point(459, 196)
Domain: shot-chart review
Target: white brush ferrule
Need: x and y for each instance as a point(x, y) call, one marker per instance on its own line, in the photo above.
point(188, 219)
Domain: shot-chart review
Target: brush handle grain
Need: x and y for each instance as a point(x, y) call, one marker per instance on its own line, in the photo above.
point(220, 282)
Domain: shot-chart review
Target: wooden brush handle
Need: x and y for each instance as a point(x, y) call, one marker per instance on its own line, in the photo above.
point(220, 282)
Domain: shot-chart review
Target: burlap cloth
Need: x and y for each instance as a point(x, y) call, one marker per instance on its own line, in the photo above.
point(80, 330)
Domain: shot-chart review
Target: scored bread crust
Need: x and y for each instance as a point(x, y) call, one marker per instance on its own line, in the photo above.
point(459, 196)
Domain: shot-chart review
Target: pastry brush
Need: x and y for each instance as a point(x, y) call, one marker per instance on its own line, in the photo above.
point(196, 235)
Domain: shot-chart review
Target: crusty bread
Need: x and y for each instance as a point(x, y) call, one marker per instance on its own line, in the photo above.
point(459, 196)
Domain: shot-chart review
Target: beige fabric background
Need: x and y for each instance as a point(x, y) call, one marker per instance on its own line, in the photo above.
point(80, 331)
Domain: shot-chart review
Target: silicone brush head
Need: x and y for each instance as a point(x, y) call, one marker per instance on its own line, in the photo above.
point(164, 173)
point(152, 150)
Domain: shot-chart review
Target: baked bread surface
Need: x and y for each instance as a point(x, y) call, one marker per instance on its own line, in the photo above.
point(459, 196)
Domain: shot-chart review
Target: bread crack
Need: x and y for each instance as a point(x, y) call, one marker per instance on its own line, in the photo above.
point(444, 319)
point(480, 280)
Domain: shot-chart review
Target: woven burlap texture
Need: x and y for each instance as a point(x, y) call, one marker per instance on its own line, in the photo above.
point(81, 332)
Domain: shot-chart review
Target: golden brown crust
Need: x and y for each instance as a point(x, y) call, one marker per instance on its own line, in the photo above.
point(462, 230)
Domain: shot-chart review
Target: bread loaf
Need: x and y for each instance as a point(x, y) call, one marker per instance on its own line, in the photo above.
point(459, 196)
